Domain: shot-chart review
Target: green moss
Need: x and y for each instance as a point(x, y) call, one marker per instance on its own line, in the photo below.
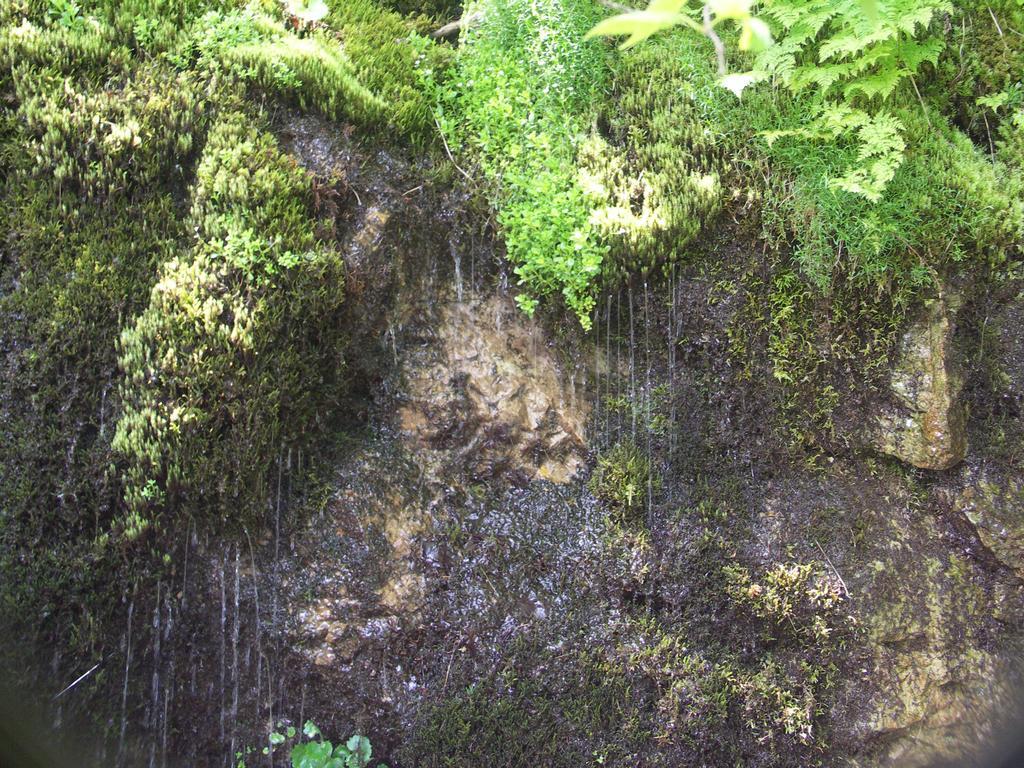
point(984, 57)
point(527, 713)
point(792, 597)
point(78, 278)
point(656, 181)
point(622, 480)
point(95, 144)
point(388, 56)
point(313, 70)
point(231, 361)
point(92, 52)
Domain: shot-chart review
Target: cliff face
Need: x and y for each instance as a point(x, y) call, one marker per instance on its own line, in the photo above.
point(277, 441)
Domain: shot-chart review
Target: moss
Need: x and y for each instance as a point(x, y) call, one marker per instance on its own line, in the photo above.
point(388, 55)
point(93, 52)
point(659, 678)
point(529, 712)
point(792, 597)
point(313, 70)
point(656, 181)
point(231, 361)
point(96, 144)
point(623, 480)
point(985, 56)
point(77, 279)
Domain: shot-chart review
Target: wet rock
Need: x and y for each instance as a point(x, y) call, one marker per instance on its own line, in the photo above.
point(925, 425)
point(995, 508)
point(938, 686)
point(490, 392)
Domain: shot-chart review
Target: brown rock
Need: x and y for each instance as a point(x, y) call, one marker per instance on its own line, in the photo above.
point(926, 423)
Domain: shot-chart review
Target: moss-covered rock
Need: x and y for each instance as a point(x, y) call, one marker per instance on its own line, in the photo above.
point(995, 507)
point(654, 179)
point(234, 357)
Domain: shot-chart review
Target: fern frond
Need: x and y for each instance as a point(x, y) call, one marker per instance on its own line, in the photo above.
point(881, 84)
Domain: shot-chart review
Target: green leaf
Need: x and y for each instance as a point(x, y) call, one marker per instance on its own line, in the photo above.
point(870, 10)
point(755, 35)
point(730, 9)
point(276, 738)
point(994, 101)
point(312, 754)
point(881, 84)
point(638, 25)
point(914, 53)
point(361, 750)
point(310, 731)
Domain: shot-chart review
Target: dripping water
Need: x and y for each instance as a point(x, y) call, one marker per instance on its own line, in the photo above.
point(124, 692)
point(632, 368)
point(223, 642)
point(155, 692)
point(457, 258)
point(234, 663)
point(647, 400)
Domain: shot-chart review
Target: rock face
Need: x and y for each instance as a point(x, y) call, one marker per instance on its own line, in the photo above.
point(926, 424)
point(489, 390)
point(995, 507)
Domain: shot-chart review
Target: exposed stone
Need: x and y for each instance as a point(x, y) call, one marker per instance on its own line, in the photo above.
point(996, 510)
point(925, 425)
point(491, 392)
point(935, 685)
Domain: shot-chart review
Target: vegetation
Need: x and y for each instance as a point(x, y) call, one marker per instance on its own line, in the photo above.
point(160, 252)
point(177, 314)
point(519, 104)
point(646, 688)
point(655, 178)
point(254, 282)
point(622, 479)
point(314, 751)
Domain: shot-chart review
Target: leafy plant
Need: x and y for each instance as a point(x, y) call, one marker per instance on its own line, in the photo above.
point(317, 752)
point(622, 480)
point(519, 107)
point(66, 13)
point(664, 14)
point(851, 56)
point(853, 60)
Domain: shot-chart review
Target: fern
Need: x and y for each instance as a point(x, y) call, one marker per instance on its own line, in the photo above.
point(852, 62)
point(849, 56)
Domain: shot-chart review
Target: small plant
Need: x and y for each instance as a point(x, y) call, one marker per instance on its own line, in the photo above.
point(317, 752)
point(790, 595)
point(622, 480)
point(518, 108)
point(66, 13)
point(144, 29)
